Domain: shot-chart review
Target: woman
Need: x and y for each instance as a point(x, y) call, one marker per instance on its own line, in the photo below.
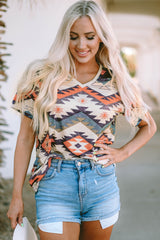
point(69, 104)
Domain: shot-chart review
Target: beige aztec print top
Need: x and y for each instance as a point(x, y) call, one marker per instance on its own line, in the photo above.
point(83, 115)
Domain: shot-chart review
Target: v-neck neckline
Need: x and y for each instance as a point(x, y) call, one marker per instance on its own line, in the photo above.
point(92, 80)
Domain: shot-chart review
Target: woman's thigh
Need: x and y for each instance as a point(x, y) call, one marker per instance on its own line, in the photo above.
point(93, 230)
point(73, 231)
point(70, 232)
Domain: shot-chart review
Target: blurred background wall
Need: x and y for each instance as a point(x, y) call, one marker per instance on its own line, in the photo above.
point(32, 30)
point(137, 25)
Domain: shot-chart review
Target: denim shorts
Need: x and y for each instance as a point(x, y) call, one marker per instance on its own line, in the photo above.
point(76, 191)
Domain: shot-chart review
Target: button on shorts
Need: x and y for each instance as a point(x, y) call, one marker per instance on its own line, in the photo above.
point(76, 191)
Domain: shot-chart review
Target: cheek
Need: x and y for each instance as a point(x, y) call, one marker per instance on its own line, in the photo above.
point(71, 47)
point(95, 45)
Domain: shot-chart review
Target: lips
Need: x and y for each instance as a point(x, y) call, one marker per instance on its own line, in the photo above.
point(82, 53)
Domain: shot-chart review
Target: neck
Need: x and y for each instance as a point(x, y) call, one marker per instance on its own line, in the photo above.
point(86, 67)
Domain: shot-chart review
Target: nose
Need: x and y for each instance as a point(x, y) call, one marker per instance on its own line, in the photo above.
point(81, 43)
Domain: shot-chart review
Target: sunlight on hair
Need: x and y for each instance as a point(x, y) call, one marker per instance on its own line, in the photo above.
point(129, 55)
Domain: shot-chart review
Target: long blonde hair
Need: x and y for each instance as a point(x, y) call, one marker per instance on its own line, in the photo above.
point(54, 69)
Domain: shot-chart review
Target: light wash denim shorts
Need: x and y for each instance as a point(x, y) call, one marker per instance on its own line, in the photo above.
point(76, 191)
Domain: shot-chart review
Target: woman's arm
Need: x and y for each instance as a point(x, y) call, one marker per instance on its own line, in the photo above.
point(24, 146)
point(115, 155)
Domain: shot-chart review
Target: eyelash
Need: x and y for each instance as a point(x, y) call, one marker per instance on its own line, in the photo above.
point(89, 38)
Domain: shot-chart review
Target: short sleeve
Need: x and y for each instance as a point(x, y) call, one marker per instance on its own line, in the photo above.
point(136, 116)
point(26, 106)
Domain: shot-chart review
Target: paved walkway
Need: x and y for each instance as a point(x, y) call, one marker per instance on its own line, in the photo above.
point(139, 182)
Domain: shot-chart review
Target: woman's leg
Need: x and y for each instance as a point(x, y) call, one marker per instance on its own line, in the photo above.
point(70, 232)
point(93, 230)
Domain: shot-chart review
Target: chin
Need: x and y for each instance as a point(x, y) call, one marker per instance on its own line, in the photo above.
point(84, 60)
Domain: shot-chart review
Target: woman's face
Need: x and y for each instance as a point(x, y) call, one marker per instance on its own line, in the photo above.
point(84, 41)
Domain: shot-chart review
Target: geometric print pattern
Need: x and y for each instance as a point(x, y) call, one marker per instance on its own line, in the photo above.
point(84, 114)
point(78, 145)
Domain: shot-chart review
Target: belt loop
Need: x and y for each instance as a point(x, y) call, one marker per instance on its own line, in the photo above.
point(92, 164)
point(59, 166)
point(76, 163)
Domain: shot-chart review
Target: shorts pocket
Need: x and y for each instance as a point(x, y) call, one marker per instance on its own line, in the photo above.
point(49, 174)
point(106, 170)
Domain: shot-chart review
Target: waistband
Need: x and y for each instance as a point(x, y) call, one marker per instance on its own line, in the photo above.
point(76, 163)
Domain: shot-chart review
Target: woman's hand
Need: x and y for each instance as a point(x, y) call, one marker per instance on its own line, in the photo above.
point(112, 155)
point(116, 155)
point(15, 212)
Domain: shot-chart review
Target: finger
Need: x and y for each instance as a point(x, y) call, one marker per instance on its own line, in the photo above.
point(101, 145)
point(13, 223)
point(101, 152)
point(108, 156)
point(20, 220)
point(109, 163)
point(106, 165)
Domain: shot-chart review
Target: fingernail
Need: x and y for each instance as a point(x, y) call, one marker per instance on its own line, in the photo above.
point(95, 158)
point(22, 225)
point(102, 166)
point(94, 152)
point(95, 144)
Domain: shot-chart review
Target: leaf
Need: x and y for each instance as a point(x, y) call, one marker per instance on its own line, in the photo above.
point(2, 98)
point(3, 108)
point(2, 24)
point(2, 121)
point(4, 43)
point(6, 132)
point(3, 4)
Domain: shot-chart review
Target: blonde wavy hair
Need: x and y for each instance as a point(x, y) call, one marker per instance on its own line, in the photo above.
point(53, 70)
